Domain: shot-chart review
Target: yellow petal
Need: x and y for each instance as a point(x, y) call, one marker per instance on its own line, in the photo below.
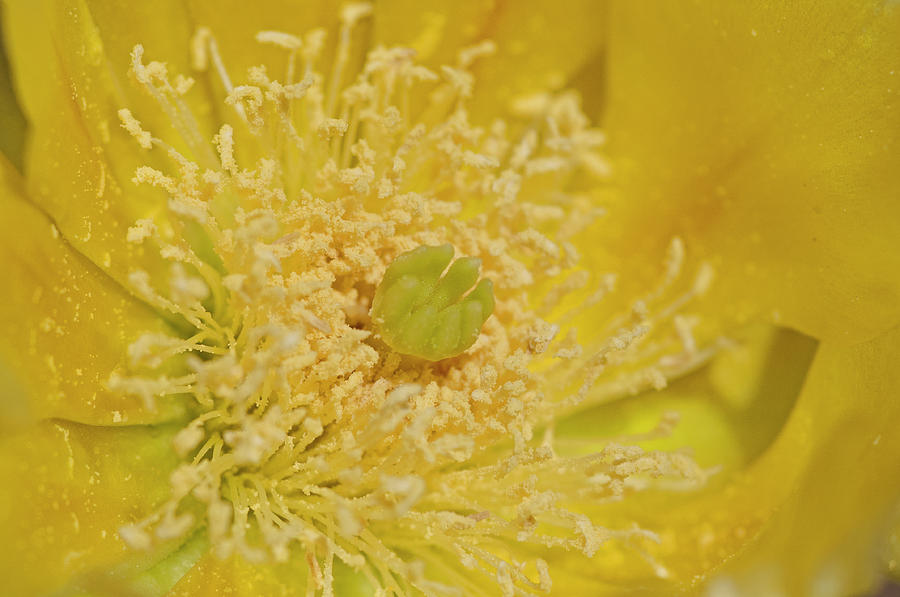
point(730, 414)
point(765, 134)
point(835, 467)
point(70, 65)
point(66, 326)
point(810, 509)
point(67, 488)
point(540, 46)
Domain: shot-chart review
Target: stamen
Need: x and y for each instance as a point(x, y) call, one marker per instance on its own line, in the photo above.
point(154, 78)
point(350, 15)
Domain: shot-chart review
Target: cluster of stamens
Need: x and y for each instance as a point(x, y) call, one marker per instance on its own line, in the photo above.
point(311, 431)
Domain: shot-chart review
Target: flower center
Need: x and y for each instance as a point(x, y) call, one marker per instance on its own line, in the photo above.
point(299, 342)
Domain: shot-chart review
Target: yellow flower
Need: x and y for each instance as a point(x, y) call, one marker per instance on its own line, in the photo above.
point(688, 382)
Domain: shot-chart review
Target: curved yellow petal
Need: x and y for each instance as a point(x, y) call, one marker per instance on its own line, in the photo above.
point(67, 488)
point(731, 413)
point(807, 516)
point(540, 46)
point(835, 468)
point(70, 61)
point(766, 135)
point(66, 326)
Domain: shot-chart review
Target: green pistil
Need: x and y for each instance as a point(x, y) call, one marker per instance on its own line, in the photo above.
point(419, 312)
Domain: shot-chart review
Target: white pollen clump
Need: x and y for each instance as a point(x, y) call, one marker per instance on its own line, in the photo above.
point(311, 434)
point(332, 127)
point(200, 49)
point(141, 231)
point(172, 526)
point(151, 349)
point(278, 38)
point(224, 141)
point(186, 289)
point(135, 537)
point(131, 124)
point(188, 439)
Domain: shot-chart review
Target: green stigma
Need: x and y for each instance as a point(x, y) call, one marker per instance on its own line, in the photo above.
point(420, 312)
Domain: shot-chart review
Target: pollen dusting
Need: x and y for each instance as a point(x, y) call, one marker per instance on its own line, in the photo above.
point(311, 434)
